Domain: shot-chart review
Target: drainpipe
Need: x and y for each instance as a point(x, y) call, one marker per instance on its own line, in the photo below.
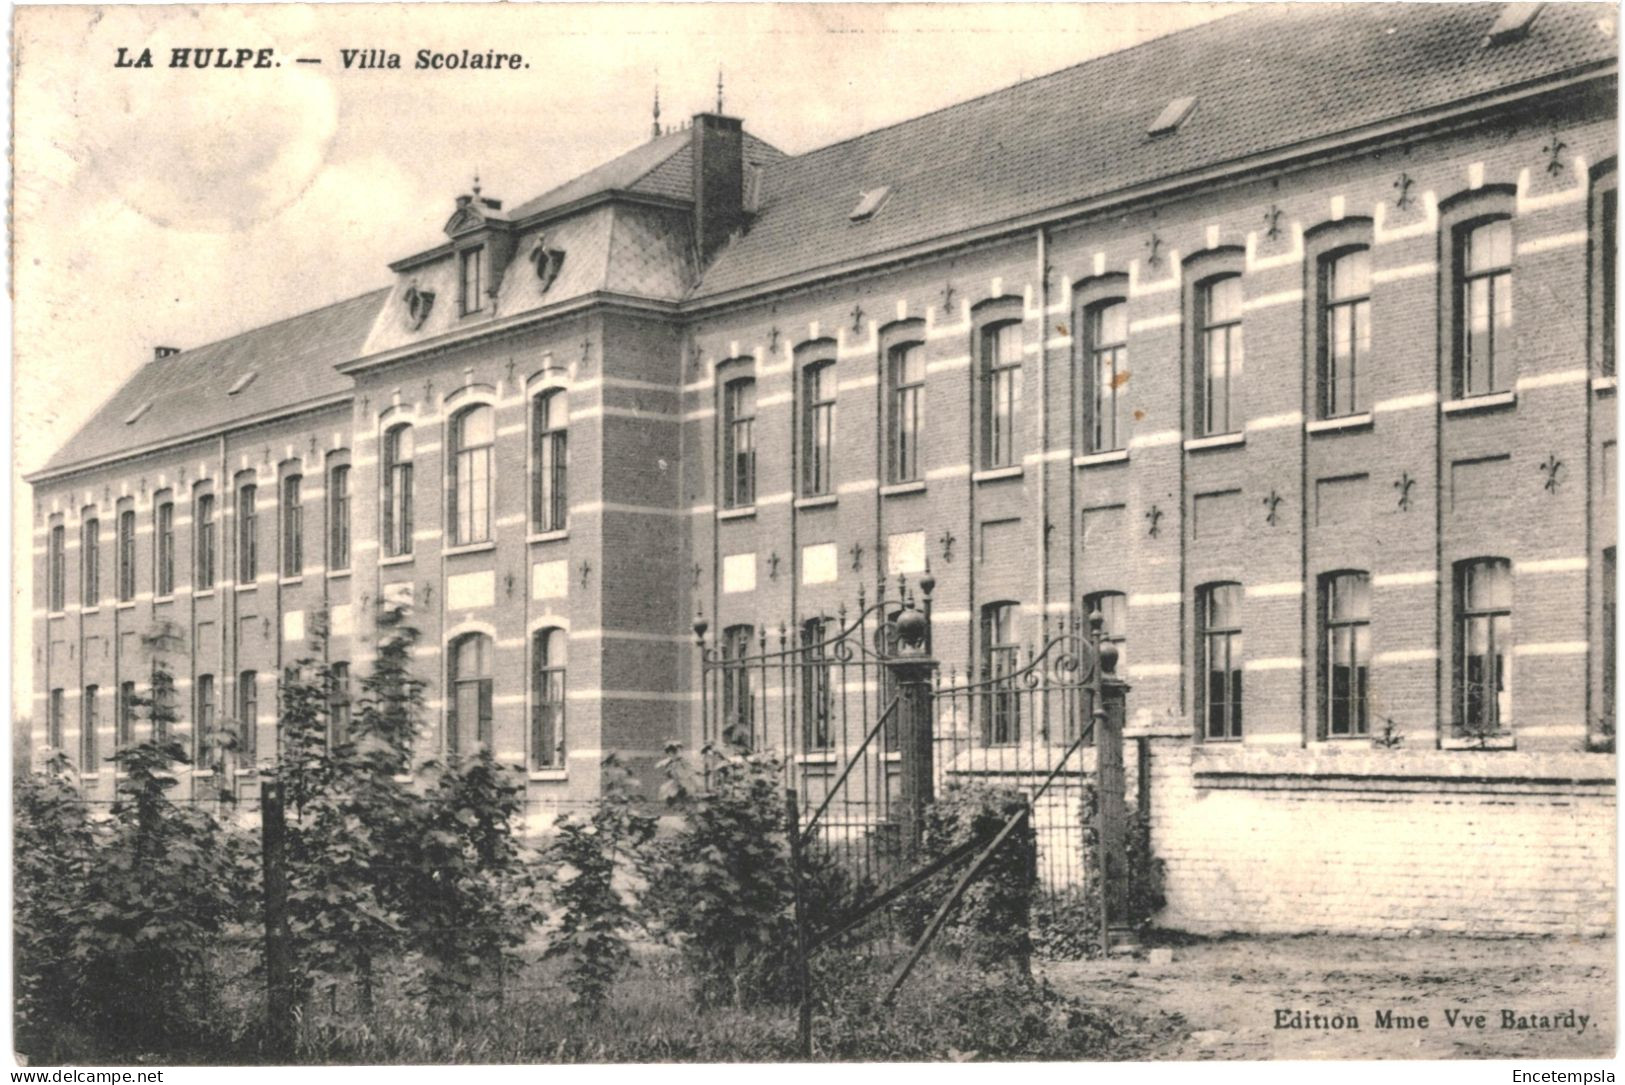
point(1042, 238)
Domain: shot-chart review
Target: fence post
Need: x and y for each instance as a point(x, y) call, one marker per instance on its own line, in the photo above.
point(792, 818)
point(1112, 787)
point(912, 669)
point(278, 939)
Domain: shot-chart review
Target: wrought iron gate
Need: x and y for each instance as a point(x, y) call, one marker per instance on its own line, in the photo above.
point(870, 730)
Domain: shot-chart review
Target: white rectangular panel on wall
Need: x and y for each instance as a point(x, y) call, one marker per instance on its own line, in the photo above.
point(398, 594)
point(905, 553)
point(293, 625)
point(820, 563)
point(738, 573)
point(342, 622)
point(550, 579)
point(466, 591)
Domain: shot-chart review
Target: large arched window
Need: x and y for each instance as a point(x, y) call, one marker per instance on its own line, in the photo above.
point(1218, 653)
point(817, 428)
point(1483, 269)
point(817, 689)
point(905, 413)
point(1105, 352)
point(1345, 660)
point(549, 656)
point(1218, 350)
point(737, 707)
point(1000, 370)
point(398, 491)
point(1001, 658)
point(469, 679)
point(739, 443)
point(1483, 671)
point(549, 460)
point(1345, 332)
point(472, 434)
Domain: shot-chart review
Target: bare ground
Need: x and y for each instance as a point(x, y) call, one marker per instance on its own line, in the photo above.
point(1222, 996)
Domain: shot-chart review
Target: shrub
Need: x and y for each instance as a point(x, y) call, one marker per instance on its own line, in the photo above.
point(596, 922)
point(990, 924)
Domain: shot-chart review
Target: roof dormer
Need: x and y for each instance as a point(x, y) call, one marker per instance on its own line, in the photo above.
point(482, 241)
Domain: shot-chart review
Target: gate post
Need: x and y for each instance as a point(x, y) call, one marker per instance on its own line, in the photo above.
point(1111, 787)
point(913, 669)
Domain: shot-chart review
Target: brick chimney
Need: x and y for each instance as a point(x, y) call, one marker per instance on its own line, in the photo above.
point(719, 180)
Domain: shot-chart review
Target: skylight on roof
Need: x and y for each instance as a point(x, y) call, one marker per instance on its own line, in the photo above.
point(1512, 23)
point(243, 382)
point(869, 202)
point(1172, 115)
point(135, 415)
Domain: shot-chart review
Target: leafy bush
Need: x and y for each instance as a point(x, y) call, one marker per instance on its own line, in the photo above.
point(990, 924)
point(597, 919)
point(117, 920)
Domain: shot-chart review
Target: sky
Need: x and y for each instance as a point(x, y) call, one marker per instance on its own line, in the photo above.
point(161, 206)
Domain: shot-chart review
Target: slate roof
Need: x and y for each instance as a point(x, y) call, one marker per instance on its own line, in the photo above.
point(660, 167)
point(1263, 80)
point(294, 359)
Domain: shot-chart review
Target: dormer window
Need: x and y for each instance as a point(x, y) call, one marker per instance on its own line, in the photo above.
point(471, 276)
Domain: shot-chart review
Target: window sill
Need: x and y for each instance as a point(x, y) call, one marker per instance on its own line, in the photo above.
point(818, 757)
point(1604, 384)
point(202, 774)
point(1093, 459)
point(206, 593)
point(469, 548)
point(126, 606)
point(743, 512)
point(1341, 422)
point(55, 614)
point(917, 486)
point(398, 559)
point(549, 775)
point(1218, 440)
point(548, 536)
point(252, 585)
point(160, 600)
point(1486, 402)
point(995, 474)
point(90, 610)
point(815, 501)
point(289, 581)
point(338, 574)
point(1507, 741)
point(89, 777)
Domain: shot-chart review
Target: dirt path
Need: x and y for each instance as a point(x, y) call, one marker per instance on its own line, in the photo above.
point(1229, 992)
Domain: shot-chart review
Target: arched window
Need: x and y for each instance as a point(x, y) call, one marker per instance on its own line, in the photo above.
point(1001, 658)
point(57, 573)
point(472, 434)
point(338, 517)
point(1604, 263)
point(550, 459)
point(817, 691)
point(1483, 671)
point(1218, 653)
point(1219, 352)
point(1105, 351)
point(738, 715)
point(1345, 332)
point(90, 720)
point(817, 428)
point(339, 716)
point(204, 529)
point(469, 718)
point(90, 559)
point(248, 711)
point(203, 690)
point(398, 491)
point(550, 649)
point(1483, 257)
point(293, 526)
point(1000, 366)
point(163, 529)
point(1345, 655)
point(248, 530)
point(905, 415)
point(739, 443)
point(126, 555)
